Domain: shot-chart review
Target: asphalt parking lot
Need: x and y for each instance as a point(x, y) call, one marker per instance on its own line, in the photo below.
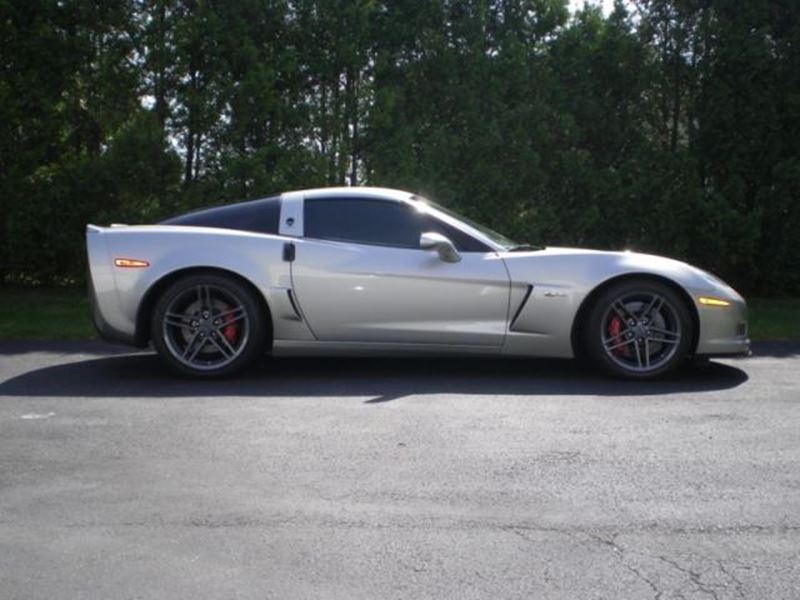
point(396, 479)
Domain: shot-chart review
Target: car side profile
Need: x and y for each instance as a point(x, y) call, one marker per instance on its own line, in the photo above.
point(367, 271)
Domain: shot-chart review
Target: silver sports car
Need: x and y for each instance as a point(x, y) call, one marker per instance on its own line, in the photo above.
point(366, 271)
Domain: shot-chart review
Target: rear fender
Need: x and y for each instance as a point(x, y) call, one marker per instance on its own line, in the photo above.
point(173, 250)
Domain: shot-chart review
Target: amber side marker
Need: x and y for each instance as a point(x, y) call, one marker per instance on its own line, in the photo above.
point(713, 301)
point(130, 263)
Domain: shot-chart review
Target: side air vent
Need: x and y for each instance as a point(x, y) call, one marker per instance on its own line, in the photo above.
point(521, 306)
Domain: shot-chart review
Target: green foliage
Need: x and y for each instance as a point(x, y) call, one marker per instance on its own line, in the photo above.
point(676, 132)
point(134, 180)
point(44, 314)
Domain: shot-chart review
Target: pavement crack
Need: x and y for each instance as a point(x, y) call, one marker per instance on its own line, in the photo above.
point(620, 553)
point(737, 583)
point(712, 590)
point(694, 577)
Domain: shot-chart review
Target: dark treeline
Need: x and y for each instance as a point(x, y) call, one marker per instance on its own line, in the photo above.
point(666, 126)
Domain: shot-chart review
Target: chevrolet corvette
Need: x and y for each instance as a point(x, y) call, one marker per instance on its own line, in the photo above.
point(368, 271)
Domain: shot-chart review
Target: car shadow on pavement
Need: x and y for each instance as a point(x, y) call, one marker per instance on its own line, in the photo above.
point(377, 379)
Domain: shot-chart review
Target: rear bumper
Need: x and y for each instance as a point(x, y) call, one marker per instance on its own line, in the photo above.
point(104, 329)
point(107, 317)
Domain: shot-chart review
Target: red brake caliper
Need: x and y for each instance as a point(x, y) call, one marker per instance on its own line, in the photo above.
point(614, 328)
point(231, 331)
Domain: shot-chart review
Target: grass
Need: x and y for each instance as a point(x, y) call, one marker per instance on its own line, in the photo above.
point(774, 318)
point(44, 314)
point(63, 314)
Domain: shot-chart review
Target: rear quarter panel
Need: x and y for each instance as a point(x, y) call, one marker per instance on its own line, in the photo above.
point(169, 249)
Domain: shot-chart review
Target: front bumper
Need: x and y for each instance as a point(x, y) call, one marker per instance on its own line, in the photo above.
point(723, 330)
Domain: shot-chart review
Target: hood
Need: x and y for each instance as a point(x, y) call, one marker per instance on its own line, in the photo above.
point(564, 264)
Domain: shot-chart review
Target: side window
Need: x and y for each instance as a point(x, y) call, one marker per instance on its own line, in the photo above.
point(377, 222)
point(260, 216)
point(363, 221)
point(462, 241)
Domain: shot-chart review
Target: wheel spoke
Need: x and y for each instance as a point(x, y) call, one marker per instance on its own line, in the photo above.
point(638, 355)
point(177, 319)
point(664, 341)
point(225, 348)
point(646, 353)
point(232, 315)
point(615, 338)
point(666, 332)
point(619, 345)
point(655, 305)
point(196, 351)
point(204, 297)
point(222, 338)
point(227, 344)
point(193, 347)
point(622, 311)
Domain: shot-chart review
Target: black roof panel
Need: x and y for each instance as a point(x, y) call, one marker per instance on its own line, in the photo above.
point(260, 216)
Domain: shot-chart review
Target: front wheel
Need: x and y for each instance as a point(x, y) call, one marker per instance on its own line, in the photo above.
point(638, 330)
point(208, 325)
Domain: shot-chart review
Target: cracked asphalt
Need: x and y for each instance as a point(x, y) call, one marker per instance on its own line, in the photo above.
point(396, 479)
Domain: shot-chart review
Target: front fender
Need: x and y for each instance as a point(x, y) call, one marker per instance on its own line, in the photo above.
point(562, 279)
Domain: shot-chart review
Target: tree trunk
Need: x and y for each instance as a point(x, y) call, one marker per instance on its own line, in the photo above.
point(352, 118)
point(676, 100)
point(160, 92)
point(191, 133)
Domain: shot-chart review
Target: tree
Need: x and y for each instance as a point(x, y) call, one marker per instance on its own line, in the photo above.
point(668, 126)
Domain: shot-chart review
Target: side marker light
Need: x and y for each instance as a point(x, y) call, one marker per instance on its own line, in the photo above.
point(130, 263)
point(707, 301)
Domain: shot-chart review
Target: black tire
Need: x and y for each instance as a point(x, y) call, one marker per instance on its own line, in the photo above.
point(208, 325)
point(653, 339)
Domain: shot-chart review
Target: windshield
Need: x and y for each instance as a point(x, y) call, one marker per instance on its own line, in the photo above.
point(497, 238)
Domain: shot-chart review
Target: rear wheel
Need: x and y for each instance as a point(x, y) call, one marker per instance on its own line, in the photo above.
point(208, 325)
point(638, 329)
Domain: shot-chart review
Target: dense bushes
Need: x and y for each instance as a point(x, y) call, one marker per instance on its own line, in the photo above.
point(675, 129)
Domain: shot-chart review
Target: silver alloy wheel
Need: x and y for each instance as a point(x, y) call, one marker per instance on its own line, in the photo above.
point(641, 332)
point(206, 327)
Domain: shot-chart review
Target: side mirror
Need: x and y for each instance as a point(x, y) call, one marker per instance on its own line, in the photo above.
point(443, 246)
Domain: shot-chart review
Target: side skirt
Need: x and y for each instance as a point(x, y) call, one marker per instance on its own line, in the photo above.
point(316, 348)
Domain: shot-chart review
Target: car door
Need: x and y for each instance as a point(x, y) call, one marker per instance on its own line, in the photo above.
point(359, 275)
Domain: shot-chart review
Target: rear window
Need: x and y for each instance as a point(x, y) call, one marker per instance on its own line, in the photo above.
point(259, 216)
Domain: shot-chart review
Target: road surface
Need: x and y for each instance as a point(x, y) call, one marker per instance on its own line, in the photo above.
point(396, 479)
